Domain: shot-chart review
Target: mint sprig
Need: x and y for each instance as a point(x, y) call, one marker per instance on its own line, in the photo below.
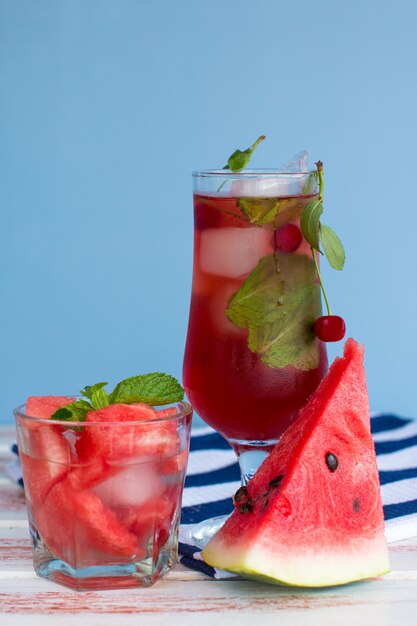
point(154, 388)
point(278, 304)
point(240, 158)
point(314, 232)
point(97, 395)
point(310, 222)
point(332, 247)
point(74, 412)
point(270, 212)
point(259, 211)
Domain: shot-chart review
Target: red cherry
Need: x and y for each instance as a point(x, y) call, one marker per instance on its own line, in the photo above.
point(330, 328)
point(287, 238)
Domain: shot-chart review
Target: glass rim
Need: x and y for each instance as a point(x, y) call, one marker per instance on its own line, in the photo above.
point(186, 410)
point(267, 172)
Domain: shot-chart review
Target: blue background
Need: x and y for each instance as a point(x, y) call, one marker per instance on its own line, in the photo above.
point(107, 106)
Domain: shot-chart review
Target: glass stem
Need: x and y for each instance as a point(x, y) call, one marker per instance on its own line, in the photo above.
point(249, 462)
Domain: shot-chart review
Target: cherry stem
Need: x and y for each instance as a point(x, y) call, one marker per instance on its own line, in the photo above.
point(319, 166)
point(313, 252)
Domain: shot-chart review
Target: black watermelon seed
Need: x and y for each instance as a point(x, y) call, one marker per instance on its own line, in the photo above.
point(246, 507)
point(331, 461)
point(265, 504)
point(275, 481)
point(356, 505)
point(241, 495)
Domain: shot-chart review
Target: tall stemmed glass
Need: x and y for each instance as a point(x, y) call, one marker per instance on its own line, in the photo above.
point(251, 358)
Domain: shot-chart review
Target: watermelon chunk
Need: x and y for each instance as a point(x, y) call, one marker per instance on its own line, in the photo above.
point(152, 521)
point(117, 441)
point(44, 451)
point(169, 412)
point(78, 528)
point(312, 514)
point(45, 406)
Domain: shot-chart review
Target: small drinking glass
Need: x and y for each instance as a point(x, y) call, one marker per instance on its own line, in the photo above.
point(104, 499)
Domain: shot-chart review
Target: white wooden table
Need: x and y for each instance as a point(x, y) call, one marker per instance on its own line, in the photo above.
point(29, 600)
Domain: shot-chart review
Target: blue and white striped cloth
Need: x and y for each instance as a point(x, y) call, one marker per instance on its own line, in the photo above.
point(213, 477)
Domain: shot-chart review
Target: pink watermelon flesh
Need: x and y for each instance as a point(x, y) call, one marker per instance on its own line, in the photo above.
point(80, 529)
point(43, 450)
point(169, 412)
point(45, 465)
point(154, 519)
point(117, 441)
point(45, 406)
point(312, 526)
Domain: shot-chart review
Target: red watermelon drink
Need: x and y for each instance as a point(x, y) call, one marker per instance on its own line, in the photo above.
point(252, 359)
point(103, 494)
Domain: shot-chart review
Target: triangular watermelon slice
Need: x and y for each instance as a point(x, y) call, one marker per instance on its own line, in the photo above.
point(312, 514)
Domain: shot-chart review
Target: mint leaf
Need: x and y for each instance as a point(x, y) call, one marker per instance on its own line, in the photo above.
point(259, 211)
point(98, 397)
point(278, 304)
point(74, 412)
point(332, 247)
point(154, 388)
point(240, 158)
point(310, 186)
point(310, 221)
point(260, 296)
point(270, 211)
point(289, 210)
point(290, 339)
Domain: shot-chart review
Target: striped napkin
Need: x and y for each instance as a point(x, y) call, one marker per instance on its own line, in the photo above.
point(213, 476)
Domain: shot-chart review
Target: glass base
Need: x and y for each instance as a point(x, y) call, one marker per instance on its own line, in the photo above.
point(97, 577)
point(140, 573)
point(201, 534)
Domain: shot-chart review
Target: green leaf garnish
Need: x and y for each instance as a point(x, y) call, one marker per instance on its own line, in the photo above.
point(259, 298)
point(310, 222)
point(154, 388)
point(273, 212)
point(97, 395)
point(278, 304)
point(259, 211)
point(332, 247)
point(74, 412)
point(310, 185)
point(315, 232)
point(240, 158)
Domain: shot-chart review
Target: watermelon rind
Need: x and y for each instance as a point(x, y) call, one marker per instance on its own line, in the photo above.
point(319, 524)
point(303, 570)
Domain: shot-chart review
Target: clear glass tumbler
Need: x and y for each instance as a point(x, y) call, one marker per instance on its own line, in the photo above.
point(251, 358)
point(104, 499)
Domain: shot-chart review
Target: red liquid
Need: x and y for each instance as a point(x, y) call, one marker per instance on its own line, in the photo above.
point(228, 385)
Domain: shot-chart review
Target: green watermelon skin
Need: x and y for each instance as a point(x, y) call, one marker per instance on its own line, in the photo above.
point(317, 527)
